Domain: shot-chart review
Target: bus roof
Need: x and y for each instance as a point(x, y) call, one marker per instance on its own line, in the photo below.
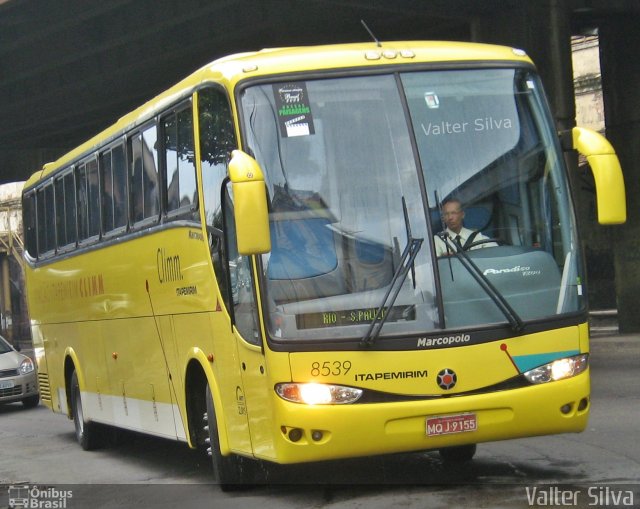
point(232, 69)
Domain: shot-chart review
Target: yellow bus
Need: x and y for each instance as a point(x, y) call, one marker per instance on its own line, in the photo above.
point(262, 259)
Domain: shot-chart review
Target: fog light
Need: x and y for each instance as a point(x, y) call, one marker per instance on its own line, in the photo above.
point(316, 435)
point(565, 409)
point(295, 434)
point(584, 403)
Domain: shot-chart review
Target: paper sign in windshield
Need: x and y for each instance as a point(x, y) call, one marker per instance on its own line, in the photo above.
point(294, 110)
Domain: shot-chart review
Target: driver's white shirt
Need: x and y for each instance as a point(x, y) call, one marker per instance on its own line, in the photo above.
point(441, 248)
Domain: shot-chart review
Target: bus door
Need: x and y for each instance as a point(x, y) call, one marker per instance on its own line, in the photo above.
point(252, 393)
point(252, 360)
point(241, 370)
point(232, 345)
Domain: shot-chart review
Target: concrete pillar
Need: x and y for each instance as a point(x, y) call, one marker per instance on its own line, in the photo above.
point(619, 48)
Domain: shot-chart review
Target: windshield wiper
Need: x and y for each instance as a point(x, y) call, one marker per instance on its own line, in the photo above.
point(494, 294)
point(406, 263)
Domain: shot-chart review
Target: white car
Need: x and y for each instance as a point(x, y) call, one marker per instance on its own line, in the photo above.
point(18, 378)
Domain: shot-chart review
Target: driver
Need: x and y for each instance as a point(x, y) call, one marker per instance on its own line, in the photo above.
point(453, 216)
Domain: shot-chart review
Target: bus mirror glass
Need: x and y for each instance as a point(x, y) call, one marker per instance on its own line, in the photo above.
point(607, 174)
point(250, 204)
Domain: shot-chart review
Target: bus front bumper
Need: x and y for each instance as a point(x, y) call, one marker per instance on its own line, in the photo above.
point(312, 433)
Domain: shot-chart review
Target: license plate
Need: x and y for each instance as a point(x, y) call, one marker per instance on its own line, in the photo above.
point(449, 424)
point(6, 384)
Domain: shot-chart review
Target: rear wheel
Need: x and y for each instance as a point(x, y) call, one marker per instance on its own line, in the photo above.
point(88, 434)
point(230, 472)
point(458, 454)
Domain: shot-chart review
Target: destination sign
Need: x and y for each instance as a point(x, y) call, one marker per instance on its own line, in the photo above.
point(353, 317)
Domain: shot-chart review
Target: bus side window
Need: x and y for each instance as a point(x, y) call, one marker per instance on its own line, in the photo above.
point(217, 140)
point(88, 200)
point(180, 182)
point(119, 174)
point(145, 202)
point(82, 194)
point(65, 211)
point(70, 208)
point(94, 198)
point(150, 183)
point(29, 213)
point(114, 188)
point(50, 228)
point(137, 203)
point(61, 222)
point(46, 220)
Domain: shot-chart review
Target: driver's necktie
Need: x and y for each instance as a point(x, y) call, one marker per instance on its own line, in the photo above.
point(458, 241)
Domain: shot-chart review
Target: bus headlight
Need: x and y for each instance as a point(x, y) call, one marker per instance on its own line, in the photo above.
point(318, 394)
point(558, 369)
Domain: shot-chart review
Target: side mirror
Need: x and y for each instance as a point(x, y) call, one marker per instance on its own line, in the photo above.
point(612, 207)
point(250, 204)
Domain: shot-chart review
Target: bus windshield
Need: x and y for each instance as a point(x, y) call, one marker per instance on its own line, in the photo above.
point(358, 167)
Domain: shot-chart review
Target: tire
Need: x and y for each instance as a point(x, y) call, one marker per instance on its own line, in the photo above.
point(231, 472)
point(458, 454)
point(31, 401)
point(88, 434)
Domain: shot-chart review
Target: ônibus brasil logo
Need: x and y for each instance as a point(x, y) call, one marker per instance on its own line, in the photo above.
point(38, 497)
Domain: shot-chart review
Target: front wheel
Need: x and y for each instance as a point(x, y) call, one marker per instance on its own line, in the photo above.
point(88, 434)
point(230, 472)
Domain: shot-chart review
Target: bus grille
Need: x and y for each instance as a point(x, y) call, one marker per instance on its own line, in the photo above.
point(45, 388)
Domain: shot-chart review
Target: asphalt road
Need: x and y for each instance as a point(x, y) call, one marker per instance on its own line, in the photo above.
point(597, 468)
